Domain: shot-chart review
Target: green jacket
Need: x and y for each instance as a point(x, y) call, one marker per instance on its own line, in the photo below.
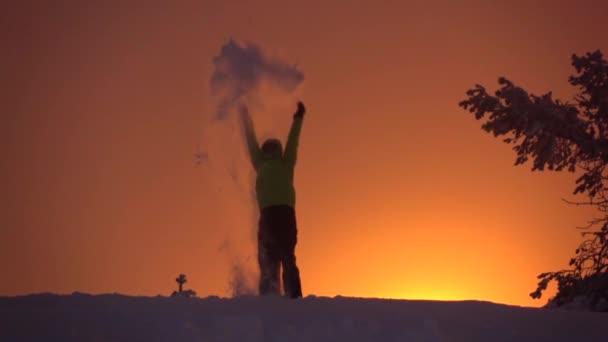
point(274, 182)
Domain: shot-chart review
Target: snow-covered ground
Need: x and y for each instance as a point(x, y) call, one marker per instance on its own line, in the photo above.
point(81, 317)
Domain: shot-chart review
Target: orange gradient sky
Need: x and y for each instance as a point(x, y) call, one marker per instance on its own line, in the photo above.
point(400, 193)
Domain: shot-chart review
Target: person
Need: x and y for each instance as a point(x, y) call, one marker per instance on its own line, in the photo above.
point(276, 197)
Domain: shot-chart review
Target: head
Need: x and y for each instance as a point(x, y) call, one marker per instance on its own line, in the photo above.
point(272, 149)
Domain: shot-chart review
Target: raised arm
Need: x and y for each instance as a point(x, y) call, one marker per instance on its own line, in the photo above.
point(255, 154)
point(291, 147)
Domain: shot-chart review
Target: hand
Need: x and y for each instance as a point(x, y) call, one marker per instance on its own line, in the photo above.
point(300, 111)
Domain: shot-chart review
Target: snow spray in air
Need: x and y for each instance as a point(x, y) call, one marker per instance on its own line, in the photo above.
point(244, 76)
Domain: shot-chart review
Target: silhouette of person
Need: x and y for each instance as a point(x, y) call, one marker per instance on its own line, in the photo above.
point(276, 197)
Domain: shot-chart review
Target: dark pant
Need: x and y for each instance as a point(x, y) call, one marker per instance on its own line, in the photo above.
point(277, 238)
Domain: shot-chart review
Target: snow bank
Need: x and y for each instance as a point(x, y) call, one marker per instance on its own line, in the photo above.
point(81, 317)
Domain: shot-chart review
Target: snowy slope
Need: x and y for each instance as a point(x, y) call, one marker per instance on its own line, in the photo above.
point(81, 317)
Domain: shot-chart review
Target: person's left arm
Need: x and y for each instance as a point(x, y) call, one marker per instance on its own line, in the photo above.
point(291, 147)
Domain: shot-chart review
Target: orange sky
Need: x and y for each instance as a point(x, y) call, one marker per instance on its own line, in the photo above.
point(400, 193)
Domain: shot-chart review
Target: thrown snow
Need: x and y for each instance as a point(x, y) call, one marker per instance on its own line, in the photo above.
point(81, 317)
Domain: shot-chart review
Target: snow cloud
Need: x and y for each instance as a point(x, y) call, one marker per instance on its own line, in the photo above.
point(240, 72)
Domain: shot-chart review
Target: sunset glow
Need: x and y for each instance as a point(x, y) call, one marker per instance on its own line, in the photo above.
point(400, 194)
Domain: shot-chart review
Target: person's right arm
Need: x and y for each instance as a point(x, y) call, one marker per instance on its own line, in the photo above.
point(255, 154)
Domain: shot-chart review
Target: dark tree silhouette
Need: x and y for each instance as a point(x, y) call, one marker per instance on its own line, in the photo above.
point(558, 136)
point(181, 280)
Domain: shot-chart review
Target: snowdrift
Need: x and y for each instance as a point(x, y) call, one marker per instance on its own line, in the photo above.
point(113, 317)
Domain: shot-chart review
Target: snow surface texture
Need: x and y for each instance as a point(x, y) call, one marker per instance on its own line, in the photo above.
point(82, 317)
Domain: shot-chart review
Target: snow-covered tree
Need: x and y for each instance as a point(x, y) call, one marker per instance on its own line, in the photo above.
point(558, 136)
